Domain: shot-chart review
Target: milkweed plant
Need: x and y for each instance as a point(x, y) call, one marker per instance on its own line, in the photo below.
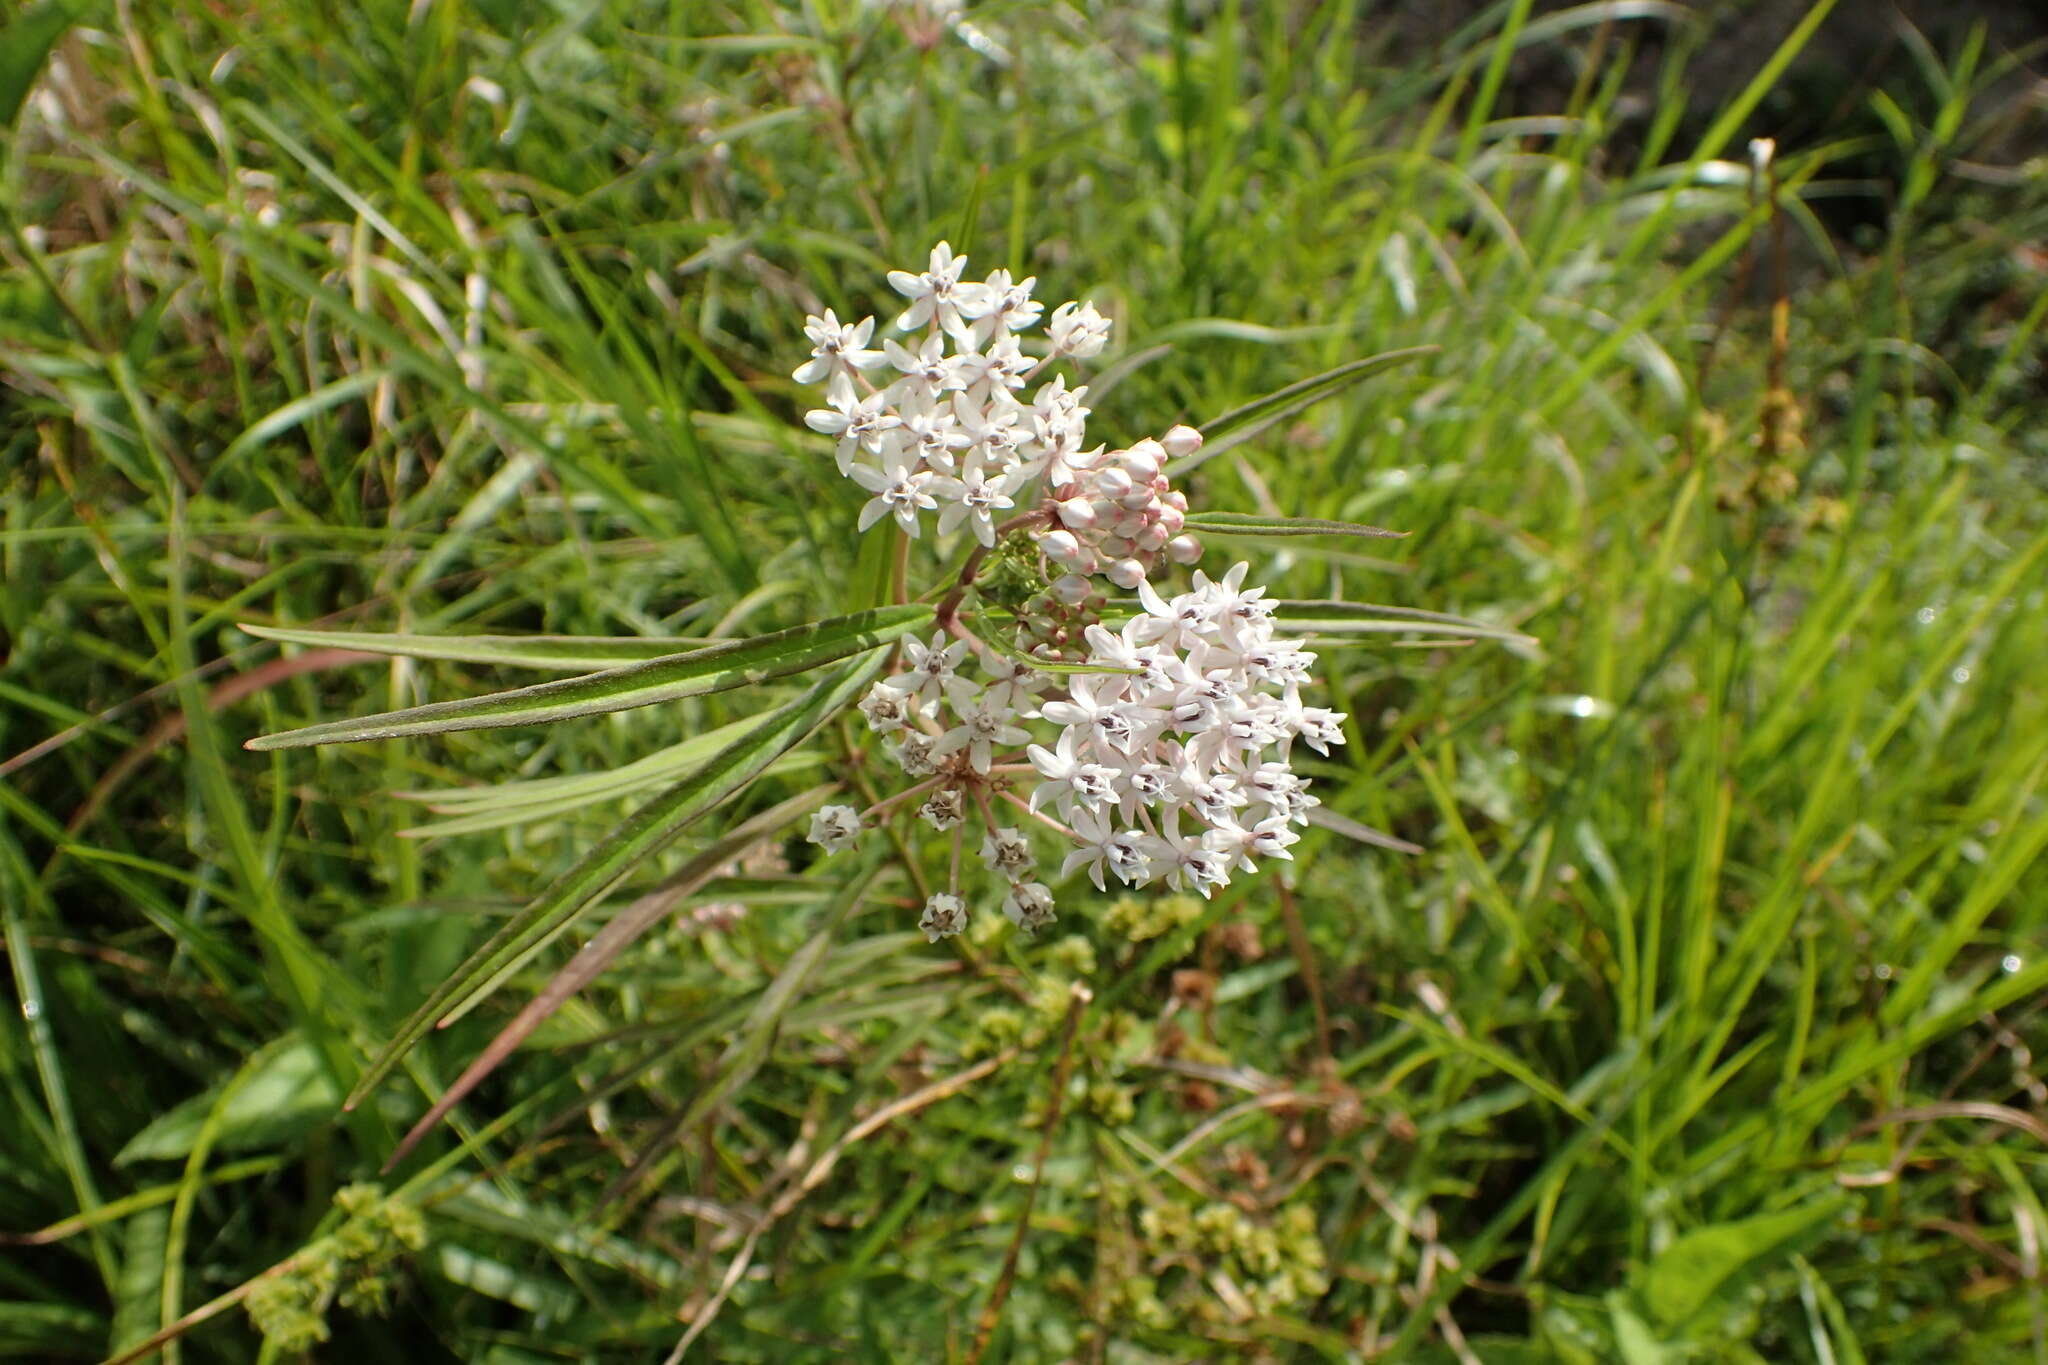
point(1174, 728)
point(1058, 706)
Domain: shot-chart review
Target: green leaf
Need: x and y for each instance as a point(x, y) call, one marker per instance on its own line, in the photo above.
point(1305, 617)
point(1684, 1278)
point(1634, 1341)
point(1251, 524)
point(565, 653)
point(715, 669)
point(1229, 429)
point(287, 1091)
point(642, 835)
point(25, 42)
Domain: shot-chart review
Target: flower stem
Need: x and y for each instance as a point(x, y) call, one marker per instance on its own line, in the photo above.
point(1021, 804)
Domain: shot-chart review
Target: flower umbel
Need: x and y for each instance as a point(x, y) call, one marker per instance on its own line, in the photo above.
point(1154, 750)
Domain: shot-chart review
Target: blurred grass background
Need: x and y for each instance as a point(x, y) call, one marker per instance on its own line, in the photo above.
point(1706, 1028)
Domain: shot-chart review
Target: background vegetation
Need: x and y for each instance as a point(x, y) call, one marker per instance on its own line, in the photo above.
point(1705, 1028)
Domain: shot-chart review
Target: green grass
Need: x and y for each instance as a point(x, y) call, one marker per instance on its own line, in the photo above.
point(1704, 1028)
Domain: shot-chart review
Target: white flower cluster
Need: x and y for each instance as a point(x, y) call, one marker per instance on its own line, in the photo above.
point(1198, 723)
point(1175, 731)
point(943, 426)
point(1172, 761)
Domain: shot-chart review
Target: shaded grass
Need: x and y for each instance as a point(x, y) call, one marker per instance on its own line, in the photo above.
point(431, 320)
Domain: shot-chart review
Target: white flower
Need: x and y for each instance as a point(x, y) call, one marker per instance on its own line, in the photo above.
point(835, 828)
point(858, 425)
point(1191, 864)
point(974, 498)
point(1012, 683)
point(837, 351)
point(944, 916)
point(1007, 851)
point(1067, 779)
point(914, 754)
point(938, 294)
point(931, 432)
point(1029, 906)
point(1077, 330)
point(990, 426)
point(928, 365)
point(981, 728)
point(931, 667)
point(898, 489)
point(1094, 705)
point(887, 707)
point(1006, 307)
point(1095, 833)
point(943, 809)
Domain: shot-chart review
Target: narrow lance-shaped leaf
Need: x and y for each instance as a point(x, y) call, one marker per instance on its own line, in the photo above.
point(1227, 430)
point(643, 834)
point(603, 948)
point(1251, 524)
point(554, 653)
point(619, 689)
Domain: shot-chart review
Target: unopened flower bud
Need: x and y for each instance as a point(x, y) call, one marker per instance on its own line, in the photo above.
point(1184, 549)
point(1078, 513)
point(1153, 538)
point(1072, 589)
point(1138, 499)
point(1170, 519)
point(1182, 441)
point(1116, 547)
point(1060, 546)
point(1141, 461)
point(1127, 524)
point(1125, 573)
point(1177, 500)
point(1113, 483)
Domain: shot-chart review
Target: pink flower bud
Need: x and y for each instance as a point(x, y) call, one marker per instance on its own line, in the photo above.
point(1071, 590)
point(1184, 549)
point(1170, 519)
point(1061, 547)
point(1138, 500)
point(1142, 461)
point(1126, 573)
point(1153, 538)
point(1116, 547)
point(1177, 500)
point(1077, 513)
point(1127, 524)
point(1112, 483)
point(1181, 441)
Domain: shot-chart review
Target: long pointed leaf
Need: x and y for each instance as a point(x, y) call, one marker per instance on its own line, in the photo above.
point(619, 689)
point(643, 834)
point(1229, 429)
point(564, 653)
point(1251, 524)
